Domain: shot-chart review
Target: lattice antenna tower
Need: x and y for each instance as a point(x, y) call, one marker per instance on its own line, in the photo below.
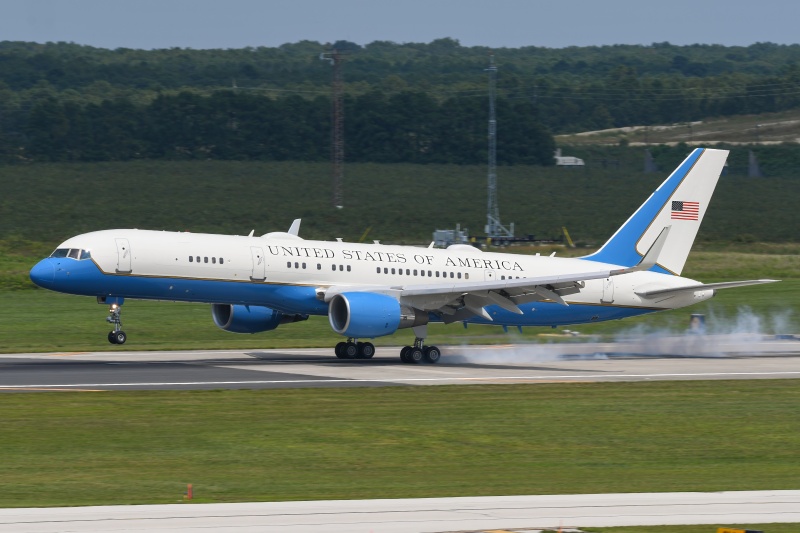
point(336, 57)
point(494, 228)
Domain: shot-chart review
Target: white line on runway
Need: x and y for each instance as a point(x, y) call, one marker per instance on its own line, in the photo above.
point(593, 377)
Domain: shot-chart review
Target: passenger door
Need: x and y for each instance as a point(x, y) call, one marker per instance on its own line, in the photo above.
point(259, 264)
point(123, 256)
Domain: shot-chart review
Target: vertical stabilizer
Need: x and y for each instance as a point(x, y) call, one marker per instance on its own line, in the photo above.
point(680, 202)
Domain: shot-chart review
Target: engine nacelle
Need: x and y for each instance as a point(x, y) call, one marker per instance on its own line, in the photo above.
point(250, 318)
point(368, 315)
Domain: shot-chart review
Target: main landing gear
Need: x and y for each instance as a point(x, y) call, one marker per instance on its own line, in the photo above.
point(352, 349)
point(117, 336)
point(418, 353)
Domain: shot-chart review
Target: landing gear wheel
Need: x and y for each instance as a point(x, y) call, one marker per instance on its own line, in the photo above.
point(339, 349)
point(404, 354)
point(350, 350)
point(366, 350)
point(414, 356)
point(112, 337)
point(432, 354)
point(120, 337)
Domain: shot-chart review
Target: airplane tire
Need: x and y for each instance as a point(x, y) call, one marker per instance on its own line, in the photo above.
point(415, 356)
point(404, 354)
point(339, 349)
point(366, 350)
point(432, 354)
point(350, 350)
point(112, 337)
point(120, 337)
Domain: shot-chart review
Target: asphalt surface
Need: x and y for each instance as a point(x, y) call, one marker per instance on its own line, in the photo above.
point(500, 513)
point(668, 358)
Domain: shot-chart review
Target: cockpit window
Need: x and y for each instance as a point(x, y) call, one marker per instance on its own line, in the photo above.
point(73, 253)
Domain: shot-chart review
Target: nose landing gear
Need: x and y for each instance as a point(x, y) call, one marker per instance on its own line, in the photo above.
point(117, 336)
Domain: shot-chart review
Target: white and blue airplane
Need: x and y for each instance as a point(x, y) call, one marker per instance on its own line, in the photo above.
point(256, 284)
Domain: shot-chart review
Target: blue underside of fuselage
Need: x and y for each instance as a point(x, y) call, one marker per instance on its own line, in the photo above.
point(85, 278)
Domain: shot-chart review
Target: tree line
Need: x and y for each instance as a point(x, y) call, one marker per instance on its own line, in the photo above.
point(414, 102)
point(228, 125)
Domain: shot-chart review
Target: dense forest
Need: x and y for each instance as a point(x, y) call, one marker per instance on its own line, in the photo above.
point(414, 102)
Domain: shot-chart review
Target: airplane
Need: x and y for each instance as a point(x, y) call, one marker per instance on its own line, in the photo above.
point(257, 284)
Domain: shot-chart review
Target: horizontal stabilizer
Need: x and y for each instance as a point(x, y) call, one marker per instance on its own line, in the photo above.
point(705, 287)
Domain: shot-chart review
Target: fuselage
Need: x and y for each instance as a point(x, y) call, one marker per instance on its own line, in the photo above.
point(286, 273)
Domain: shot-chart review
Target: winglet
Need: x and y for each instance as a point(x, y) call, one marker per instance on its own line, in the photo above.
point(294, 229)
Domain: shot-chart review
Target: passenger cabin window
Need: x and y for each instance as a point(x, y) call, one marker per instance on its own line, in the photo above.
point(191, 259)
point(205, 260)
point(214, 260)
point(221, 261)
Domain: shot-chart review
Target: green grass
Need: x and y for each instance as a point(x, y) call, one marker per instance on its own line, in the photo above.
point(98, 448)
point(766, 127)
point(397, 203)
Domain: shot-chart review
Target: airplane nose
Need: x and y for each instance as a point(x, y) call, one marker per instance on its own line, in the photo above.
point(43, 273)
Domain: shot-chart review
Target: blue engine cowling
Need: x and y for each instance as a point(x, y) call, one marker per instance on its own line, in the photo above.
point(365, 314)
point(250, 318)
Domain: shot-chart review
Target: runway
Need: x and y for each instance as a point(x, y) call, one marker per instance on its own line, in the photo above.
point(676, 358)
point(472, 514)
point(646, 359)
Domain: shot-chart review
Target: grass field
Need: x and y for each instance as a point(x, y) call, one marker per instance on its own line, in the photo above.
point(397, 203)
point(81, 448)
point(767, 128)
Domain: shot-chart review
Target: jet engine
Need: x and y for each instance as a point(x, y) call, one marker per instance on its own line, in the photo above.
point(368, 315)
point(250, 318)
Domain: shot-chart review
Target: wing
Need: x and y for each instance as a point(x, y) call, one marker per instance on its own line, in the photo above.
point(460, 301)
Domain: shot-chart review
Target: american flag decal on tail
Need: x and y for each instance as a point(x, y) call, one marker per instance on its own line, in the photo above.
point(685, 210)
